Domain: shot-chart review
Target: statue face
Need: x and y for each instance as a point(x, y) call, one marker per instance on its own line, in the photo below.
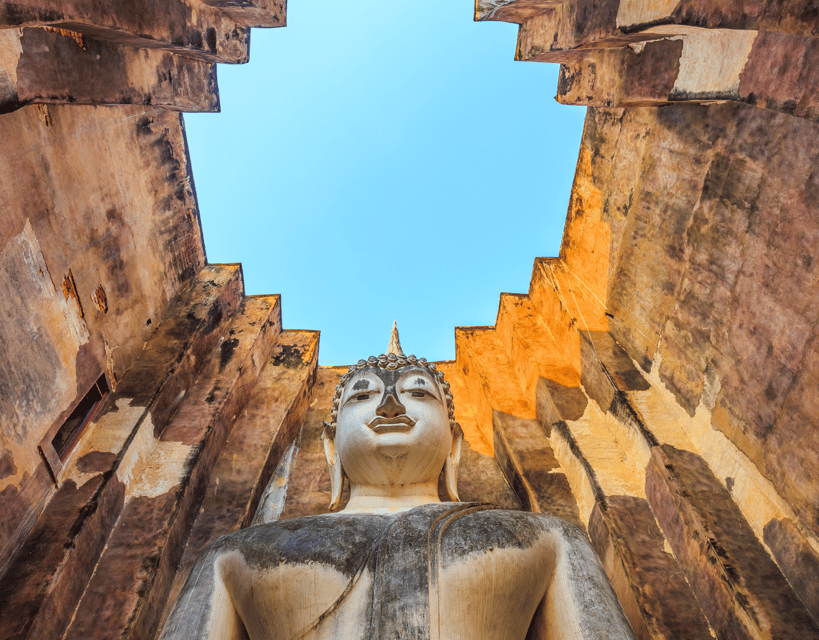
point(392, 427)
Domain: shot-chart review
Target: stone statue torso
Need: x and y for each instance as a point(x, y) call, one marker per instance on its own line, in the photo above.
point(448, 570)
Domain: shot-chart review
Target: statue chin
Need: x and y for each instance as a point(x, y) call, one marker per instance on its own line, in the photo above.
point(393, 450)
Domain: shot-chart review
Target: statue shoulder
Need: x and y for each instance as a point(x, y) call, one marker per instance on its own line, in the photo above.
point(505, 527)
point(332, 539)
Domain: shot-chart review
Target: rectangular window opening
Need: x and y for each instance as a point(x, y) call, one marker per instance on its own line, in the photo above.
point(65, 439)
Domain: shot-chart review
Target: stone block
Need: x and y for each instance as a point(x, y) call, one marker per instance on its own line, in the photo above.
point(780, 74)
point(558, 32)
point(222, 388)
point(601, 452)
point(621, 76)
point(770, 70)
point(492, 382)
point(307, 485)
point(254, 13)
point(741, 590)
point(796, 17)
point(47, 577)
point(508, 10)
point(649, 583)
point(609, 375)
point(553, 303)
point(480, 480)
point(194, 30)
point(479, 441)
point(525, 456)
point(555, 34)
point(60, 68)
point(558, 403)
point(607, 369)
point(183, 342)
point(531, 347)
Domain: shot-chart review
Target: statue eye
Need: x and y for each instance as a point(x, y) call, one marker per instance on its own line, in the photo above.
point(419, 394)
point(363, 396)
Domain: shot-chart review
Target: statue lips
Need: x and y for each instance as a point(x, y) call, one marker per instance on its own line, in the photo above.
point(398, 424)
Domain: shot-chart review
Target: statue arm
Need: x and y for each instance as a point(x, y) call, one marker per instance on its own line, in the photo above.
point(204, 608)
point(580, 602)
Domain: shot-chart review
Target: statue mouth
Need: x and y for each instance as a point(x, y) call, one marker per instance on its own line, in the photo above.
point(398, 424)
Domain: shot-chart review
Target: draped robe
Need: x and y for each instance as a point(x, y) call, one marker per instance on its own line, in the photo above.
point(445, 570)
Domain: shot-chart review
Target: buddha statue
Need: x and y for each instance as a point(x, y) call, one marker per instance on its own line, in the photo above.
point(396, 562)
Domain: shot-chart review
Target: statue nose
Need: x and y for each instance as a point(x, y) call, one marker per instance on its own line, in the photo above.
point(390, 407)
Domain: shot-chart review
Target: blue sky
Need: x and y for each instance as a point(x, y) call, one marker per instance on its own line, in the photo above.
point(378, 163)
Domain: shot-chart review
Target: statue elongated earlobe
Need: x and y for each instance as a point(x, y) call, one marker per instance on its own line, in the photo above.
point(328, 438)
point(452, 462)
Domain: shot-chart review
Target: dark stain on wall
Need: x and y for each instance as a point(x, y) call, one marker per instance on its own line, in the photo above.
point(288, 356)
point(13, 508)
point(213, 318)
point(226, 350)
point(23, 386)
point(108, 249)
point(652, 73)
point(143, 125)
point(7, 466)
point(570, 402)
point(19, 13)
point(798, 559)
point(96, 461)
point(87, 367)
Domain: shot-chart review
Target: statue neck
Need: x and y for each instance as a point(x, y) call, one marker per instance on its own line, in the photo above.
point(386, 499)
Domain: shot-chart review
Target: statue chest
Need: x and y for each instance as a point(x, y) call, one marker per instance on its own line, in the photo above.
point(435, 572)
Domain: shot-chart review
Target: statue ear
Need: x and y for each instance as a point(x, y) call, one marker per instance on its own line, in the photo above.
point(328, 438)
point(451, 465)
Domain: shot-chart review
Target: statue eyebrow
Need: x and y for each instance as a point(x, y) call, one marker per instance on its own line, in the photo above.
point(421, 381)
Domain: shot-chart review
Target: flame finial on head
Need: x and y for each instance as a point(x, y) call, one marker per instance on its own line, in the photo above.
point(395, 342)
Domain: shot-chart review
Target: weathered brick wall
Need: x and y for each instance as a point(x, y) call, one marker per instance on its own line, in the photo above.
point(160, 53)
point(100, 243)
point(667, 356)
point(101, 199)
